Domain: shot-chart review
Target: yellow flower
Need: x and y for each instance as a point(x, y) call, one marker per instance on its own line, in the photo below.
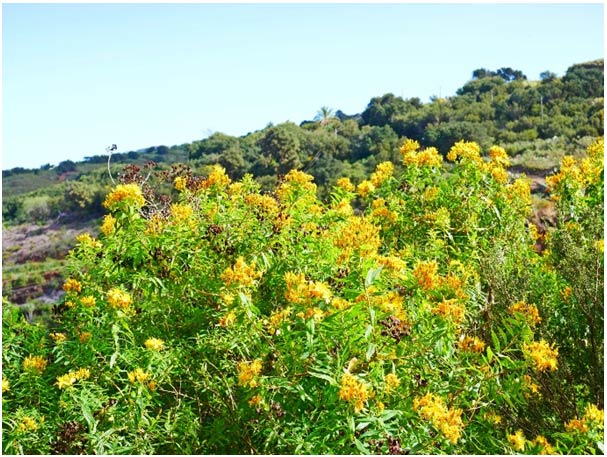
point(34, 364)
point(227, 319)
point(471, 344)
point(576, 425)
point(255, 400)
point(84, 337)
point(425, 274)
point(392, 382)
point(354, 391)
point(248, 371)
point(365, 188)
point(319, 290)
point(544, 356)
point(600, 246)
point(431, 193)
point(217, 178)
point(6, 386)
point(499, 156)
point(138, 375)
point(340, 303)
point(499, 174)
point(429, 157)
point(180, 183)
point(129, 193)
point(517, 440)
point(358, 234)
point(58, 338)
point(465, 150)
point(409, 146)
point(533, 387)
point(109, 224)
point(383, 171)
point(241, 273)
point(450, 309)
point(181, 212)
point(154, 344)
point(277, 318)
point(448, 421)
point(72, 285)
point(82, 374)
point(66, 380)
point(345, 184)
point(88, 301)
point(546, 447)
point(119, 298)
point(85, 239)
point(529, 312)
point(494, 418)
point(593, 414)
point(28, 425)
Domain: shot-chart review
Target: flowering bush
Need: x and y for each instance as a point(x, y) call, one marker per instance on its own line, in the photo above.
point(410, 313)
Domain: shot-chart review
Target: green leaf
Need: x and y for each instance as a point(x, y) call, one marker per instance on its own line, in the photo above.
point(372, 275)
point(361, 447)
point(496, 341)
point(370, 351)
point(326, 377)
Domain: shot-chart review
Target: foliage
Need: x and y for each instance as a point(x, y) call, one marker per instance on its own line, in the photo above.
point(223, 319)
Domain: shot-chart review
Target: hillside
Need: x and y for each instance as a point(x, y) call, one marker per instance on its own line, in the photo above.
point(537, 122)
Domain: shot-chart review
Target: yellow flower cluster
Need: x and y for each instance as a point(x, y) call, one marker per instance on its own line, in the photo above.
point(85, 239)
point(545, 447)
point(383, 171)
point(70, 378)
point(391, 303)
point(241, 273)
point(155, 224)
point(429, 157)
point(180, 183)
point(466, 150)
point(520, 190)
point(180, 211)
point(426, 274)
point(71, 285)
point(392, 382)
point(88, 301)
point(448, 421)
point(392, 263)
point(154, 344)
point(109, 225)
point(217, 178)
point(119, 299)
point(593, 416)
point(248, 372)
point(129, 193)
point(34, 364)
point(227, 319)
point(529, 384)
point(409, 145)
point(381, 211)
point(471, 344)
point(358, 234)
point(255, 400)
point(138, 375)
point(301, 291)
point(345, 184)
point(85, 336)
point(492, 417)
point(277, 318)
point(264, 202)
point(517, 440)
point(340, 304)
point(544, 356)
point(354, 391)
point(296, 180)
point(529, 312)
point(450, 309)
point(27, 424)
point(365, 188)
point(431, 193)
point(58, 338)
point(499, 156)
point(5, 385)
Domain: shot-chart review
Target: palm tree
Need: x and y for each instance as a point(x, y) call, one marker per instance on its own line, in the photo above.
point(324, 115)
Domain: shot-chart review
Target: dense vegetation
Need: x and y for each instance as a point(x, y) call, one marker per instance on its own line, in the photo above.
point(536, 121)
point(410, 313)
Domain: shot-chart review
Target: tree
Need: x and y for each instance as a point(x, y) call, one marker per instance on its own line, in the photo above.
point(281, 144)
point(324, 115)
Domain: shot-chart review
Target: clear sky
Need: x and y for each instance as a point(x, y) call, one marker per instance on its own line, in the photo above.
point(79, 77)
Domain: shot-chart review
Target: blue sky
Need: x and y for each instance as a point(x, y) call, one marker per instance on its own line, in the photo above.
point(78, 77)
